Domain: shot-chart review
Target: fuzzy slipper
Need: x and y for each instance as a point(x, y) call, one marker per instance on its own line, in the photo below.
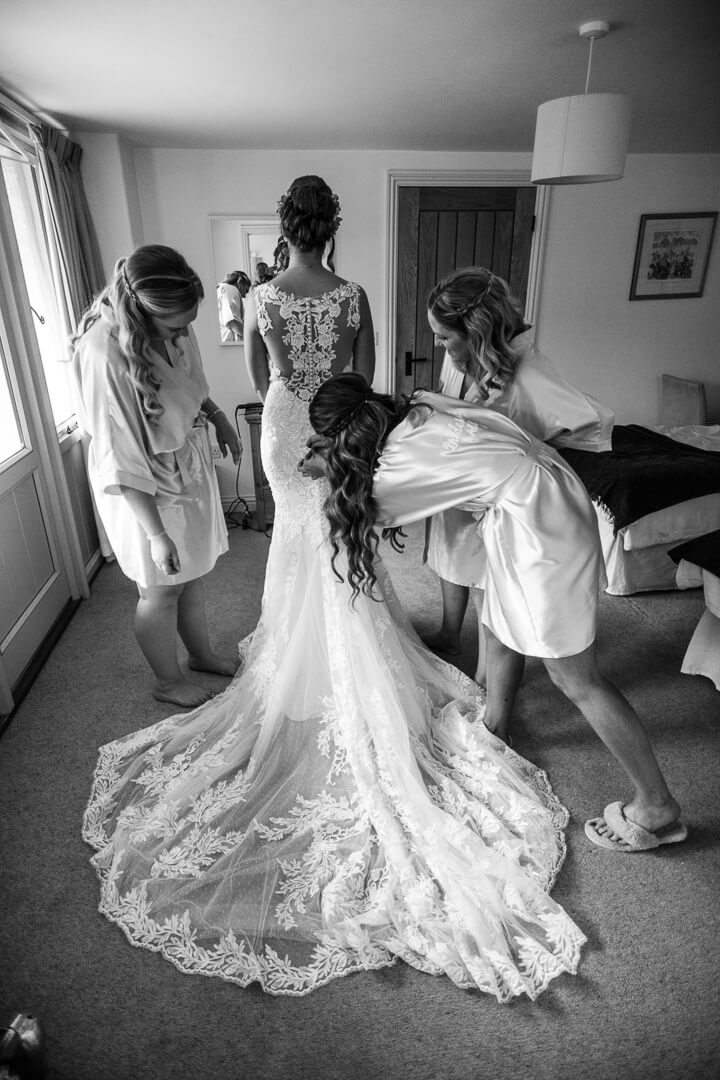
point(617, 833)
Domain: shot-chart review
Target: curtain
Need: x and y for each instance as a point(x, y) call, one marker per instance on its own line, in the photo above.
point(74, 253)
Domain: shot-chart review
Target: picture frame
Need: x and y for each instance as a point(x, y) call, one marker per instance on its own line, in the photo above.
point(672, 255)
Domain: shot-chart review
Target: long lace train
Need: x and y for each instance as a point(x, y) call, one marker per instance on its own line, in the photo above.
point(340, 806)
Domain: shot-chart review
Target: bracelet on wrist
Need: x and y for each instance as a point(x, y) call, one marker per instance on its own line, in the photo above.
point(209, 416)
point(155, 536)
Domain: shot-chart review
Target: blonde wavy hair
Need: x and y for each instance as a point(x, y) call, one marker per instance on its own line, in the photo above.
point(154, 281)
point(476, 303)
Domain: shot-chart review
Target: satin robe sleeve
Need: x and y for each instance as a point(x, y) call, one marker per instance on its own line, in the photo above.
point(542, 402)
point(109, 414)
point(434, 461)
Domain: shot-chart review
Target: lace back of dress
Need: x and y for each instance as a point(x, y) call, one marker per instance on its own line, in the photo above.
point(309, 327)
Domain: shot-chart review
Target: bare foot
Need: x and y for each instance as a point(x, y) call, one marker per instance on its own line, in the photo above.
point(217, 665)
point(188, 695)
point(443, 644)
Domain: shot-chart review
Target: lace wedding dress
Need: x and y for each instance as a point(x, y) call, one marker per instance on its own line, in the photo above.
point(341, 805)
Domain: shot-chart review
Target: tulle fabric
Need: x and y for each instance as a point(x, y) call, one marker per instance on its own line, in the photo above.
point(340, 806)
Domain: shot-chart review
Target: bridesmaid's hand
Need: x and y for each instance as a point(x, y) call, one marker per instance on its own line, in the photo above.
point(164, 554)
point(227, 437)
point(313, 465)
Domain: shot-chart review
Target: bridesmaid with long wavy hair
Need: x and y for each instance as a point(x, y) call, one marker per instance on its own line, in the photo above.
point(144, 404)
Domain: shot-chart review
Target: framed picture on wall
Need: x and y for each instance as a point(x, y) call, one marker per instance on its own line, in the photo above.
point(671, 257)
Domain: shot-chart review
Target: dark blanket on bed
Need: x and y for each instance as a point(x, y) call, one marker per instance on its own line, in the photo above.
point(644, 472)
point(704, 551)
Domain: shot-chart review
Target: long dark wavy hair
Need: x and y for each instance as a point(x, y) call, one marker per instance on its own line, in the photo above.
point(153, 281)
point(476, 303)
point(354, 422)
point(310, 215)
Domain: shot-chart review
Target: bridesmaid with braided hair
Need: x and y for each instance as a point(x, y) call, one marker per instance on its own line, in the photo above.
point(491, 359)
point(144, 405)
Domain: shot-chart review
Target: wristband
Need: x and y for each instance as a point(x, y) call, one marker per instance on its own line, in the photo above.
point(154, 536)
point(209, 416)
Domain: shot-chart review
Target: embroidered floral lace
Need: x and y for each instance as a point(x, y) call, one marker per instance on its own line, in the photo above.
point(341, 805)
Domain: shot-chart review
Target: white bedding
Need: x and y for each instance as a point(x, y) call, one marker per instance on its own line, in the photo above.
point(636, 558)
point(703, 652)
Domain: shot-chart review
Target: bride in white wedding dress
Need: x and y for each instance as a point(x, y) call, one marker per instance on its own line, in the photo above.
point(341, 805)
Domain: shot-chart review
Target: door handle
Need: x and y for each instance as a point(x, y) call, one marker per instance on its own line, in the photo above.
point(410, 360)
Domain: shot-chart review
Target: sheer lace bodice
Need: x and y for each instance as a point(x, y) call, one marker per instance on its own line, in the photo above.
point(310, 331)
point(341, 805)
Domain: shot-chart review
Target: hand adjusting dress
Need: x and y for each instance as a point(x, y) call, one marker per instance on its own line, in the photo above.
point(341, 805)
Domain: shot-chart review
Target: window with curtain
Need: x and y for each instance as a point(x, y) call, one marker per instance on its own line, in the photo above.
point(21, 186)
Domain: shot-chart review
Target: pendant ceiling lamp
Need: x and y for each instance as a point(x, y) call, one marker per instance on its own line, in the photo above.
point(582, 139)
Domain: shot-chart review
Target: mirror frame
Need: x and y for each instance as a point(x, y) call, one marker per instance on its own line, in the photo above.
point(248, 225)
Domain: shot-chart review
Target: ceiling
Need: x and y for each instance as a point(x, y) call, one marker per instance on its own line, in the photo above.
point(352, 74)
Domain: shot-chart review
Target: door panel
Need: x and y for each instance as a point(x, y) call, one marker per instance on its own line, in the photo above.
point(34, 588)
point(27, 561)
point(439, 230)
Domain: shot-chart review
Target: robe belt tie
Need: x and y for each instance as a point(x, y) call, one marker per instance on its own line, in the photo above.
point(188, 459)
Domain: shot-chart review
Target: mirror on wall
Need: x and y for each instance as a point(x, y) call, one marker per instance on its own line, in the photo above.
point(245, 252)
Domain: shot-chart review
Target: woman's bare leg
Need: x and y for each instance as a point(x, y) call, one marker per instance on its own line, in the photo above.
point(156, 630)
point(478, 597)
point(193, 628)
point(455, 600)
point(615, 721)
point(504, 674)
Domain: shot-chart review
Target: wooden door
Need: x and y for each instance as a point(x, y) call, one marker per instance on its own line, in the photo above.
point(439, 230)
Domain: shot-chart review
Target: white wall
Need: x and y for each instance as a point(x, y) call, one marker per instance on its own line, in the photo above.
point(613, 348)
point(110, 183)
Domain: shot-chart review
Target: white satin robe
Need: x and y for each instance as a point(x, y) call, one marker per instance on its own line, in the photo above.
point(170, 460)
point(533, 515)
point(542, 403)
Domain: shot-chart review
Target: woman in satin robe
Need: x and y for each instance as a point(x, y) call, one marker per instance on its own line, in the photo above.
point(144, 406)
point(389, 464)
point(491, 359)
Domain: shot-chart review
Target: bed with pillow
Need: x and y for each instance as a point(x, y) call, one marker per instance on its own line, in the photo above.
point(698, 566)
point(656, 489)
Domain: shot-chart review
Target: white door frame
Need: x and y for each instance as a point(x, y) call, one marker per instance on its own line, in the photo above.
point(397, 178)
point(29, 371)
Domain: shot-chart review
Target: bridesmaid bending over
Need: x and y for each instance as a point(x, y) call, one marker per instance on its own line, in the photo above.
point(390, 463)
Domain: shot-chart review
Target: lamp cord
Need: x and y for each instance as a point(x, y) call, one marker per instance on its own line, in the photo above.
point(587, 80)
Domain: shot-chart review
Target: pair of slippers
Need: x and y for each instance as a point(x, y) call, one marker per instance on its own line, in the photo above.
point(615, 832)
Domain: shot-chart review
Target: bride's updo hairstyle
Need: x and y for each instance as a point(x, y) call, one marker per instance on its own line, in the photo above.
point(354, 421)
point(476, 303)
point(309, 213)
point(154, 280)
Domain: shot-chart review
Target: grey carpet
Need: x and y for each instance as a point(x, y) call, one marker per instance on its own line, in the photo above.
point(644, 1006)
